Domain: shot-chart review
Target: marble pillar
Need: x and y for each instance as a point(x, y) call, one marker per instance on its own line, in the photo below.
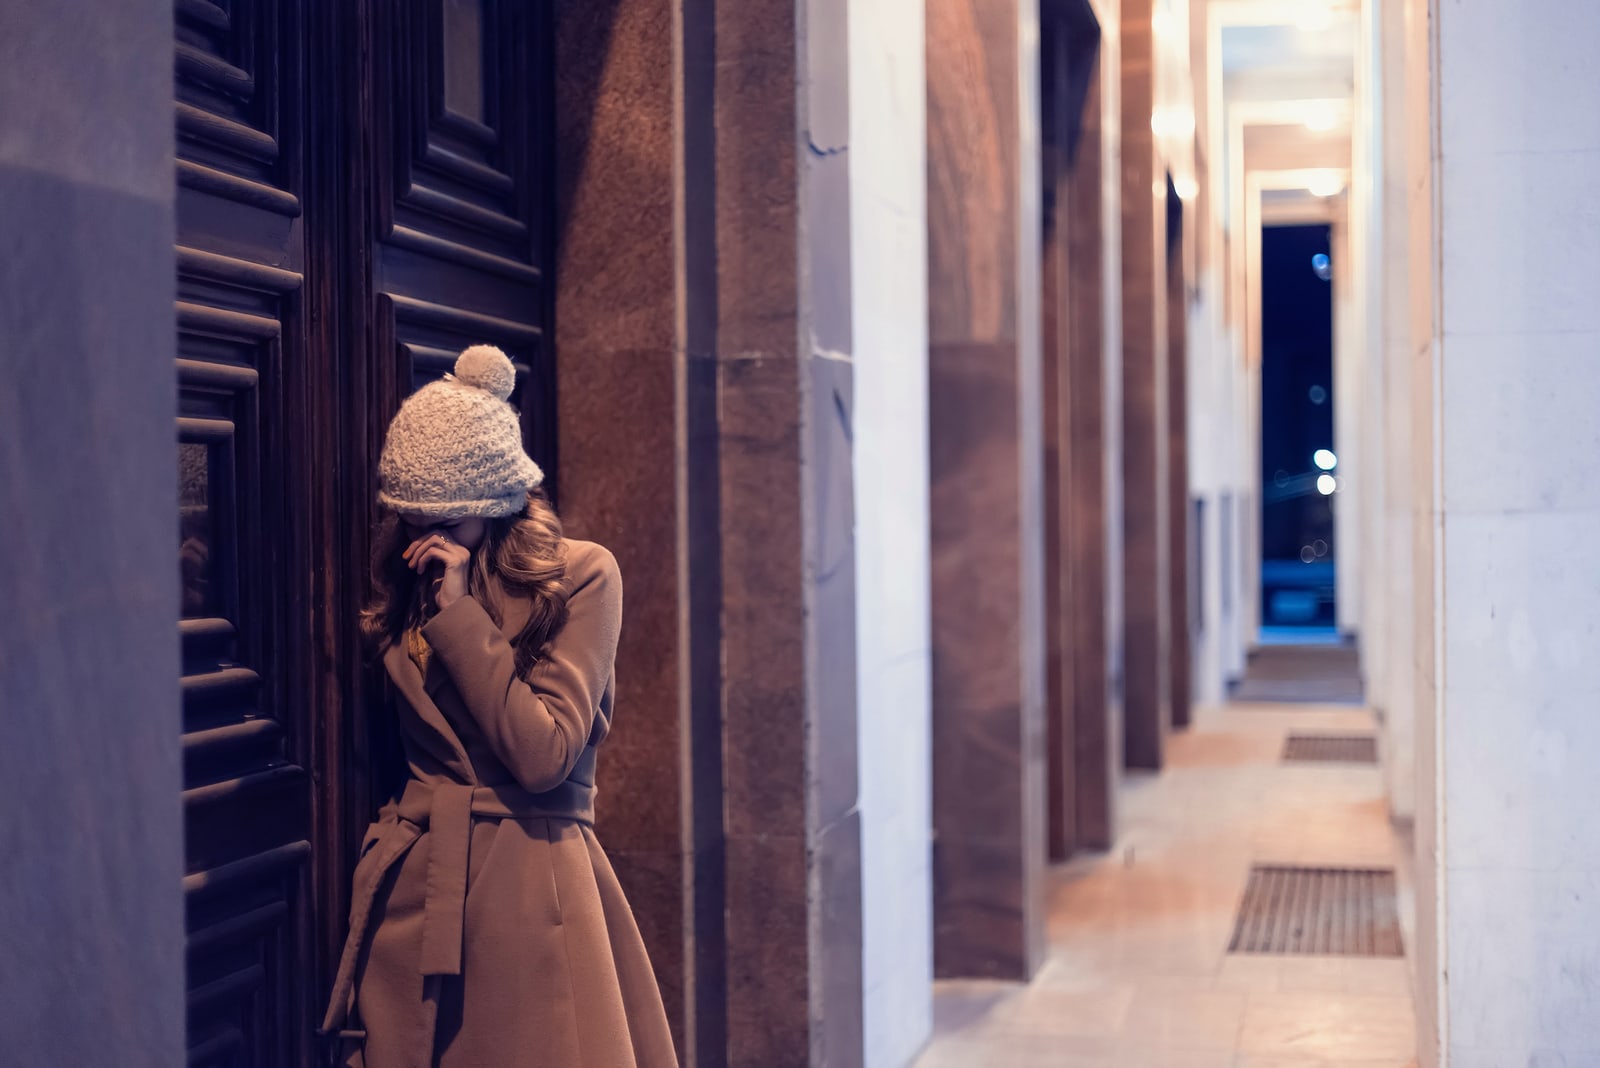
point(1081, 766)
point(987, 499)
point(1059, 389)
point(1178, 504)
point(636, 391)
point(91, 917)
point(703, 310)
point(1510, 376)
point(1146, 460)
point(1094, 445)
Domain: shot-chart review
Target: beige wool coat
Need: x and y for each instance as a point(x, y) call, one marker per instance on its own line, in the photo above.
point(487, 929)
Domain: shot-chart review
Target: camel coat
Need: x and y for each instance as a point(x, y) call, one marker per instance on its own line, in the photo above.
point(487, 929)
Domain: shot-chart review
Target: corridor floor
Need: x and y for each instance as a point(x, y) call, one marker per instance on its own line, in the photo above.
point(1138, 974)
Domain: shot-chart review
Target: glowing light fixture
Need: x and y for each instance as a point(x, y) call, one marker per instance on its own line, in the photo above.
point(1321, 119)
point(1326, 184)
point(1326, 484)
point(1172, 122)
point(1325, 459)
point(1187, 188)
point(1315, 16)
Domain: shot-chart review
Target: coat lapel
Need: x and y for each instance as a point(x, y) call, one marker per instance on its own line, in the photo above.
point(435, 735)
point(421, 691)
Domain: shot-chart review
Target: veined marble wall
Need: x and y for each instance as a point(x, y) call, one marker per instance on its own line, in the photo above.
point(1518, 606)
point(888, 270)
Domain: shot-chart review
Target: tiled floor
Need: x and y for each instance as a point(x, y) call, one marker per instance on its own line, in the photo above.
point(1138, 975)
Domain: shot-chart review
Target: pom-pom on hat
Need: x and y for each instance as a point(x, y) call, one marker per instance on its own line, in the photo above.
point(455, 447)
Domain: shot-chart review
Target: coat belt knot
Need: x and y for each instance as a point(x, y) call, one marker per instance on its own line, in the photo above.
point(445, 811)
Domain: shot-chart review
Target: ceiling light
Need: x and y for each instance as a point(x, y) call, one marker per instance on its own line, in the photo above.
point(1315, 16)
point(1325, 459)
point(1326, 484)
point(1172, 122)
point(1326, 184)
point(1187, 188)
point(1321, 119)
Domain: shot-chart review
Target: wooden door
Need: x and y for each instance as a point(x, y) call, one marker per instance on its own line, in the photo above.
point(361, 193)
point(241, 337)
point(460, 197)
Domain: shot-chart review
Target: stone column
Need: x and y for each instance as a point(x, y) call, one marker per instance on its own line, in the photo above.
point(1175, 273)
point(1056, 312)
point(705, 395)
point(792, 834)
point(889, 283)
point(1504, 414)
point(1079, 706)
point(636, 391)
point(1096, 254)
point(91, 916)
point(1145, 459)
point(987, 487)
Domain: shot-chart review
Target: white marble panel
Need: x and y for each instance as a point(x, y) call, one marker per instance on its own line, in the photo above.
point(1520, 432)
point(889, 346)
point(1523, 618)
point(1518, 241)
point(1517, 764)
point(1399, 702)
point(1524, 964)
point(1517, 82)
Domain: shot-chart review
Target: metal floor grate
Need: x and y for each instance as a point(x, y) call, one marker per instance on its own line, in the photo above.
point(1349, 912)
point(1331, 748)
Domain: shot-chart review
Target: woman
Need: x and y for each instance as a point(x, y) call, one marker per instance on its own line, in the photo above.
point(487, 928)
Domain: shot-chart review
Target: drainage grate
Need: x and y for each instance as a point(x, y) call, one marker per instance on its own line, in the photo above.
point(1348, 912)
point(1331, 748)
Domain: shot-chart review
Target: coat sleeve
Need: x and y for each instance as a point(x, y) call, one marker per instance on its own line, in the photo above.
point(538, 726)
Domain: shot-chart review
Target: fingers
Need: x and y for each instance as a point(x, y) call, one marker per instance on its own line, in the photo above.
point(429, 555)
point(448, 554)
point(437, 539)
point(417, 546)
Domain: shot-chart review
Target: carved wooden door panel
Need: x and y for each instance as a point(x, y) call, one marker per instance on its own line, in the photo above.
point(362, 192)
point(461, 202)
point(241, 337)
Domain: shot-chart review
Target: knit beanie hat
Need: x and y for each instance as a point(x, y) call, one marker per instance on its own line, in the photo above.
point(455, 447)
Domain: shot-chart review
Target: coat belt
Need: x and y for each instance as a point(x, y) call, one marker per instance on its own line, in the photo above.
point(446, 812)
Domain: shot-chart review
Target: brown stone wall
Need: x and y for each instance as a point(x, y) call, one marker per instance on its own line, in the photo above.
point(702, 299)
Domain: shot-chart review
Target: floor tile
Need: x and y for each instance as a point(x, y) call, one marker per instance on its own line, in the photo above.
point(1343, 1027)
point(1247, 1061)
point(1090, 1011)
point(1191, 1019)
point(1138, 974)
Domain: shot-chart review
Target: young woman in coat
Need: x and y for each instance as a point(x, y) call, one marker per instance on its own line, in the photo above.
point(487, 929)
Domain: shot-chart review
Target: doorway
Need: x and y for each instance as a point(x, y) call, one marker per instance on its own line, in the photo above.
point(362, 192)
point(1299, 473)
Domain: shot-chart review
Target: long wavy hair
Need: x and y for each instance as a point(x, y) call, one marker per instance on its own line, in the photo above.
point(522, 555)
